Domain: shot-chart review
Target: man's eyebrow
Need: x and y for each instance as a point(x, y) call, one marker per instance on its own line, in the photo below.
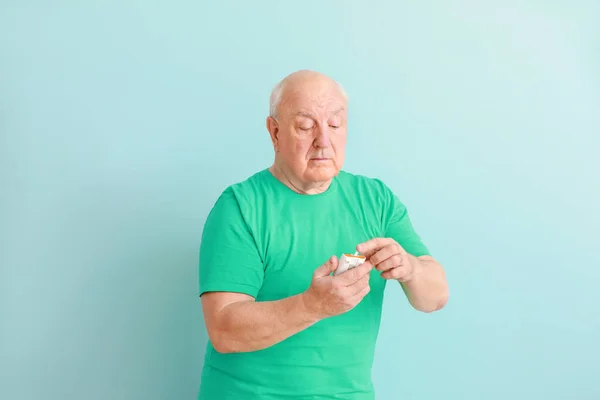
point(309, 115)
point(303, 114)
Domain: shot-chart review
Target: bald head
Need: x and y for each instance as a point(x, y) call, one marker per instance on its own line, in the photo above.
point(307, 124)
point(299, 82)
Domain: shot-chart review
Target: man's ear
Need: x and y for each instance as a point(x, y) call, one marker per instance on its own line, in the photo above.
point(273, 128)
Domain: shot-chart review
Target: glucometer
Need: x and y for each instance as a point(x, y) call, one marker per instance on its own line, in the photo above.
point(349, 261)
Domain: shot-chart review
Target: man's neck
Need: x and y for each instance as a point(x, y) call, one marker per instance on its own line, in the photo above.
point(288, 179)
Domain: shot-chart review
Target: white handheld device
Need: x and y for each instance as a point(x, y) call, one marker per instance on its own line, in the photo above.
point(349, 261)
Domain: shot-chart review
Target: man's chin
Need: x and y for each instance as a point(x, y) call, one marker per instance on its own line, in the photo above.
point(322, 173)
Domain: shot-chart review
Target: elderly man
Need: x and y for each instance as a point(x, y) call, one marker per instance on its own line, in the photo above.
point(282, 324)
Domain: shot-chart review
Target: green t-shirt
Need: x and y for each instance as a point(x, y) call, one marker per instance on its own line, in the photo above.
point(265, 240)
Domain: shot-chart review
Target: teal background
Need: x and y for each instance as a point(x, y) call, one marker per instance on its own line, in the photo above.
point(121, 122)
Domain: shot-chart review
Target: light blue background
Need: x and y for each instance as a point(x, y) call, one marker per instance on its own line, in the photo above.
point(121, 122)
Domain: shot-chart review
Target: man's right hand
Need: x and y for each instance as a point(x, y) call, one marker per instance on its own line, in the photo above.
point(328, 295)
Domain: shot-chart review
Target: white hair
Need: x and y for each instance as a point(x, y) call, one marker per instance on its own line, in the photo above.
point(277, 96)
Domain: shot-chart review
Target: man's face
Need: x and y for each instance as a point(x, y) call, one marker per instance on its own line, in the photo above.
point(310, 132)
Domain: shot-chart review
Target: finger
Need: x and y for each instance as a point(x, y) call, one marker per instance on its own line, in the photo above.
point(371, 246)
point(397, 260)
point(349, 277)
point(359, 285)
point(385, 253)
point(327, 268)
point(399, 273)
point(360, 295)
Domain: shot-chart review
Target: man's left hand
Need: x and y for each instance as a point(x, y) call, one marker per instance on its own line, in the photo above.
point(388, 257)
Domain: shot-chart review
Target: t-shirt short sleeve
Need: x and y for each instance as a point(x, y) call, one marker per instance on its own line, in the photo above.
point(400, 228)
point(229, 260)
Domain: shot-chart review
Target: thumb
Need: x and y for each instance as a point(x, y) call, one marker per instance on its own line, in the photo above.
point(327, 268)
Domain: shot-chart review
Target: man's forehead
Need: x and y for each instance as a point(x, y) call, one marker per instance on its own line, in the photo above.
point(308, 102)
point(308, 92)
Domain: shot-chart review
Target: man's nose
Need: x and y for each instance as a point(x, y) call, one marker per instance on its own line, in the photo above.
point(322, 137)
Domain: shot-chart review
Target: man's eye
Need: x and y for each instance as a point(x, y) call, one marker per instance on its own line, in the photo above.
point(305, 128)
point(335, 123)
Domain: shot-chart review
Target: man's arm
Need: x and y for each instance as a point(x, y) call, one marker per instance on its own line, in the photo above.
point(237, 323)
point(423, 279)
point(401, 255)
point(427, 289)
